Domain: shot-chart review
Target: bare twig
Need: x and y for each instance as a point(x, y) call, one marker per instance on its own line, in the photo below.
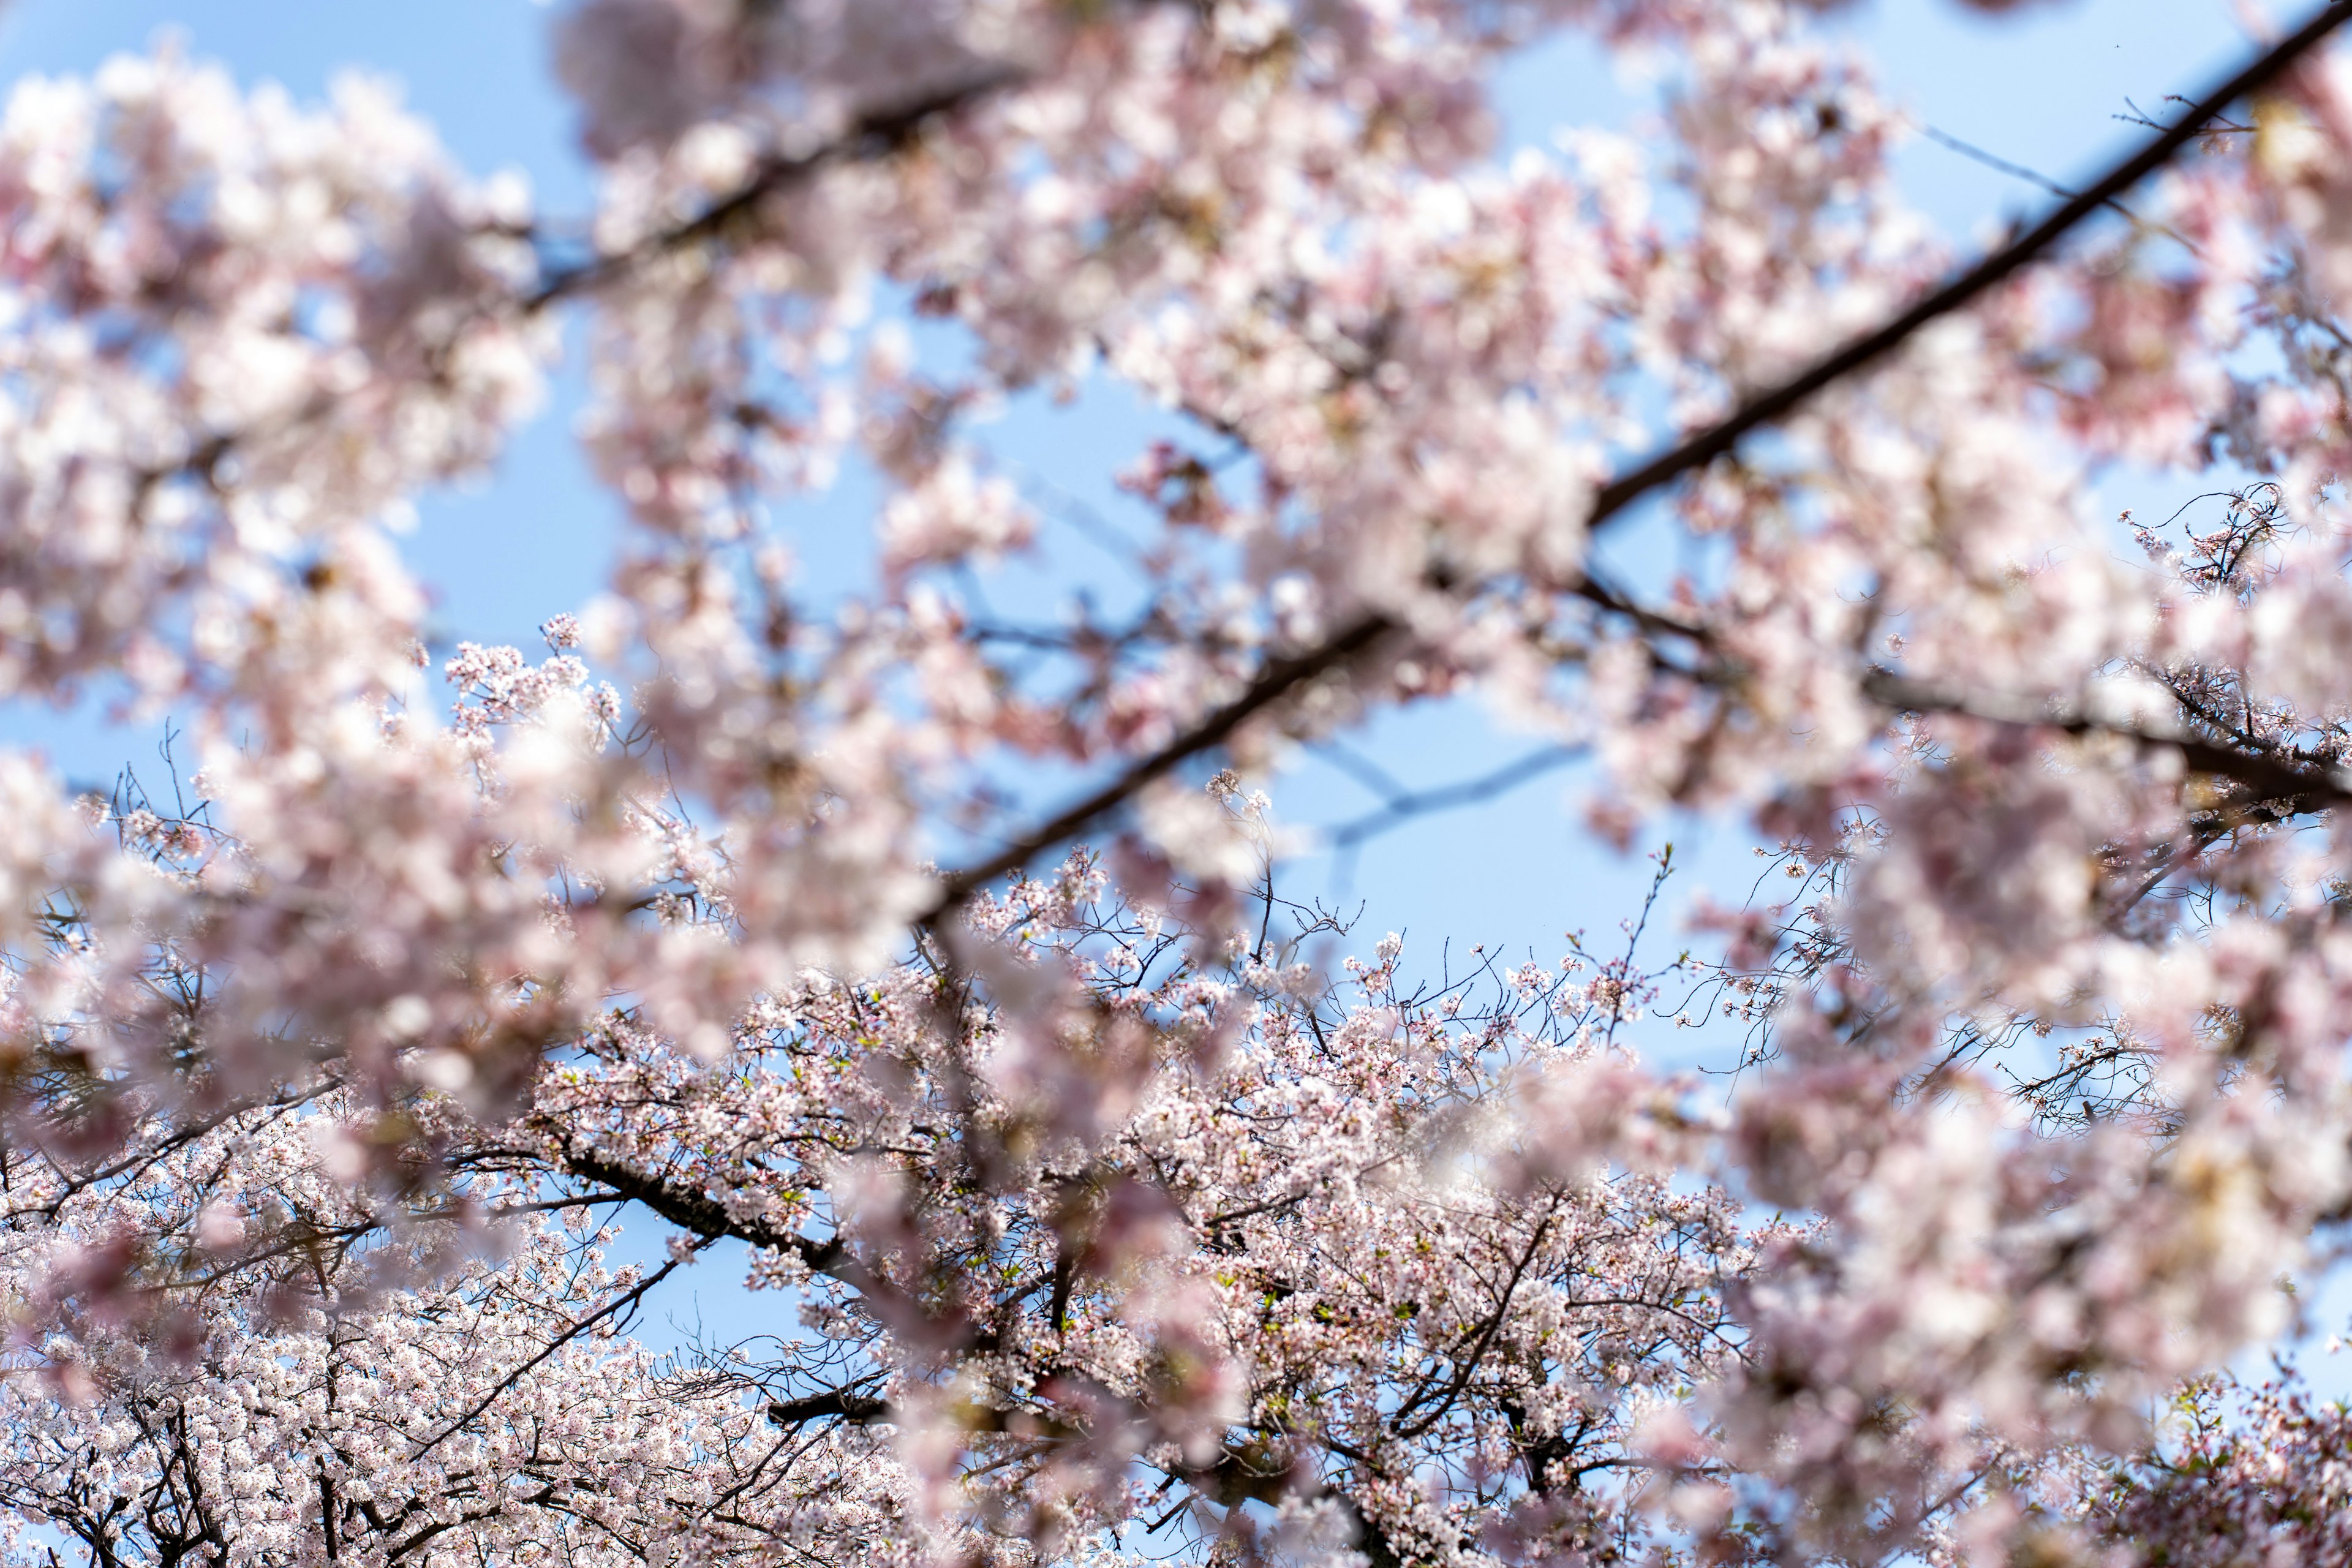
point(1402, 806)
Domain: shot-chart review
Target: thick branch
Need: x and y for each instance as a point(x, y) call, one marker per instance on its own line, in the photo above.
point(1775, 404)
point(838, 1403)
point(703, 1215)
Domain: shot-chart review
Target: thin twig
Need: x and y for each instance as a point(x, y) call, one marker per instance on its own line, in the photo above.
point(1470, 791)
point(617, 1304)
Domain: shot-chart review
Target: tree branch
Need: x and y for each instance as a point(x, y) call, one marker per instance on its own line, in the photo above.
point(1771, 406)
point(844, 1403)
point(1279, 680)
point(1400, 807)
point(705, 1216)
point(2269, 778)
point(618, 1304)
point(873, 136)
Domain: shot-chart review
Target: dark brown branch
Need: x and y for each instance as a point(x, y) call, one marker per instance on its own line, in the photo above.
point(1253, 1471)
point(1276, 681)
point(703, 1215)
point(395, 1551)
point(1468, 1367)
point(838, 1403)
point(873, 136)
point(1782, 400)
point(2268, 778)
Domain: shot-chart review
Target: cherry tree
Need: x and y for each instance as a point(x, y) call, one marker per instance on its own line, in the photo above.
point(1107, 1216)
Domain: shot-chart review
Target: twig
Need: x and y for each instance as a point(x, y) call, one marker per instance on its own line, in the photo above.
point(1400, 807)
point(618, 1303)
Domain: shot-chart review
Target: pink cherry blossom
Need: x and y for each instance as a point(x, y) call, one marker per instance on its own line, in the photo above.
point(1108, 1212)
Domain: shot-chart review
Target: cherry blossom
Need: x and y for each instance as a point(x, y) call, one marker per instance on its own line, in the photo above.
point(1109, 1213)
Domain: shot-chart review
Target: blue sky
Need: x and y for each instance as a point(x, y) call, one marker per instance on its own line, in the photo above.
point(2042, 89)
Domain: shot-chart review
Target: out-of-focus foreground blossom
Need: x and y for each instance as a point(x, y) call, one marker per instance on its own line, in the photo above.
point(1103, 1223)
